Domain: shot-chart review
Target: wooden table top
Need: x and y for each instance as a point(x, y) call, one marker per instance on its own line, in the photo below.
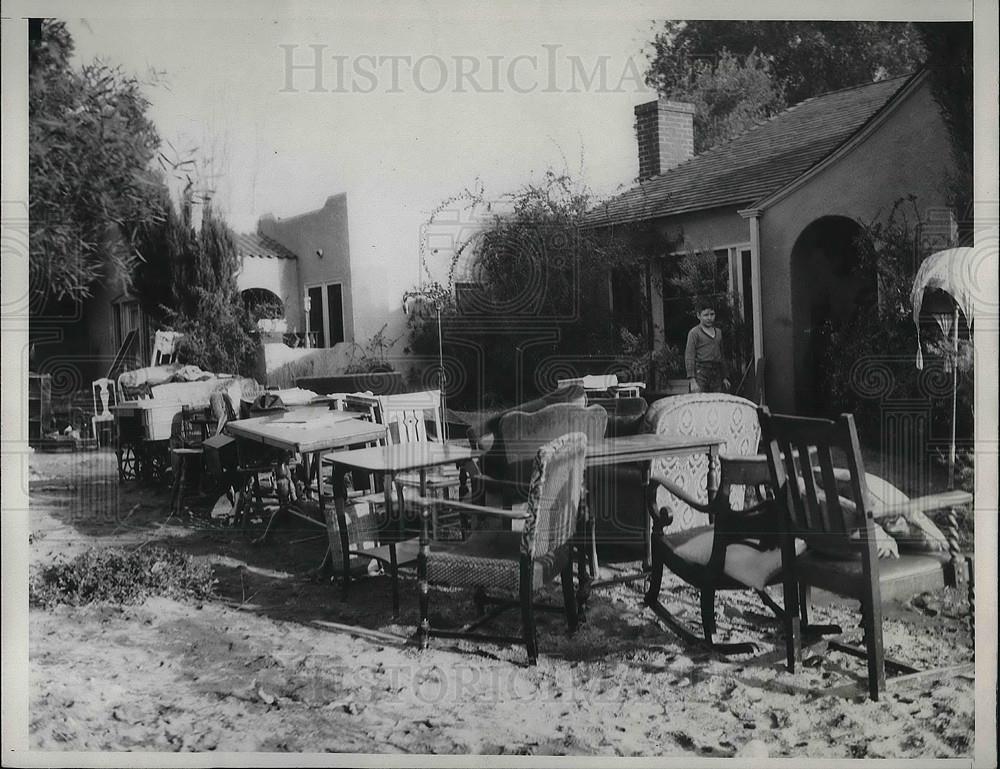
point(306, 432)
point(402, 457)
point(643, 447)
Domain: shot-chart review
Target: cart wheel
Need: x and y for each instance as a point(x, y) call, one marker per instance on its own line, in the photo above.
point(128, 463)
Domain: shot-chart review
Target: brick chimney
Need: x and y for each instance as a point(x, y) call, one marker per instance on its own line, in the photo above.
point(665, 133)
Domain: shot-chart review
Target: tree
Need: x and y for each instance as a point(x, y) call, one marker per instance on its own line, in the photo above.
point(186, 280)
point(533, 265)
point(89, 152)
point(730, 96)
point(803, 59)
point(949, 61)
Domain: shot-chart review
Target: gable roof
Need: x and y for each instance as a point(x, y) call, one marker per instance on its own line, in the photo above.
point(757, 163)
point(254, 244)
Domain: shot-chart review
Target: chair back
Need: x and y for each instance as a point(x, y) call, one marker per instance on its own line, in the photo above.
point(554, 497)
point(801, 455)
point(364, 405)
point(523, 432)
point(164, 347)
point(728, 418)
point(104, 397)
point(405, 414)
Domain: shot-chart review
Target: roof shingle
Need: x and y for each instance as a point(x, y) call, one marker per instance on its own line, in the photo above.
point(756, 163)
point(255, 244)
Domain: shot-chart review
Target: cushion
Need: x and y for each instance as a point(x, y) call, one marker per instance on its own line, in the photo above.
point(833, 544)
point(745, 562)
point(489, 559)
point(151, 375)
point(900, 577)
point(915, 534)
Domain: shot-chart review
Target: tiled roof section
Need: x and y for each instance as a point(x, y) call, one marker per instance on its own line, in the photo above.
point(254, 244)
point(756, 163)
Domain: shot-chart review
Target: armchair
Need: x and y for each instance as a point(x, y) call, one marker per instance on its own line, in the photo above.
point(511, 561)
point(840, 534)
point(617, 503)
point(737, 549)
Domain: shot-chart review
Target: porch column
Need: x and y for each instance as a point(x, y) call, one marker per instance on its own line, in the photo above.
point(754, 214)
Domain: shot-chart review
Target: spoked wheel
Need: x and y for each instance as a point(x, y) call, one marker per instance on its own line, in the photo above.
point(155, 460)
point(128, 462)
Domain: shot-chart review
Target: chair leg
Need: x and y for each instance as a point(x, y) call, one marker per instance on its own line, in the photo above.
point(655, 580)
point(872, 613)
point(393, 568)
point(793, 627)
point(805, 595)
point(708, 612)
point(177, 490)
point(528, 612)
point(569, 598)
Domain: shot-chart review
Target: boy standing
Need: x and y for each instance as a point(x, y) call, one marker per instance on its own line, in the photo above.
point(703, 359)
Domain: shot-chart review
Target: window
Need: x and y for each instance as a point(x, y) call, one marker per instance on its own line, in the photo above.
point(326, 314)
point(724, 272)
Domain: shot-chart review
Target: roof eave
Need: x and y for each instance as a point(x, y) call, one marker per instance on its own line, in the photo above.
point(847, 146)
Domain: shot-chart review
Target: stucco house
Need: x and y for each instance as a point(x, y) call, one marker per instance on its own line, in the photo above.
point(781, 204)
point(302, 262)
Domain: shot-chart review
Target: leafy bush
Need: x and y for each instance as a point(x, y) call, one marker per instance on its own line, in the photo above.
point(882, 336)
point(531, 271)
point(372, 357)
point(119, 576)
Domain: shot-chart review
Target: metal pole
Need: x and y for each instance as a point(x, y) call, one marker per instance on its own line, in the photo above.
point(444, 407)
point(954, 405)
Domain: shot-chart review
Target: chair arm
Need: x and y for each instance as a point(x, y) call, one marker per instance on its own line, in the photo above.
point(925, 504)
point(495, 484)
point(680, 493)
point(465, 507)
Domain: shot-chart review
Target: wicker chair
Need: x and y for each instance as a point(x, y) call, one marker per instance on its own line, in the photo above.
point(511, 561)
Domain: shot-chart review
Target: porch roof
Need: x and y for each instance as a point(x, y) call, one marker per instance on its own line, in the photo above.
point(758, 162)
point(255, 244)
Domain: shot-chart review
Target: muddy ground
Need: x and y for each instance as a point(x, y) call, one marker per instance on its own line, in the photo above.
point(280, 661)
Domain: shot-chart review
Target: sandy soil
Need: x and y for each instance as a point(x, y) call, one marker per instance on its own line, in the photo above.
point(280, 662)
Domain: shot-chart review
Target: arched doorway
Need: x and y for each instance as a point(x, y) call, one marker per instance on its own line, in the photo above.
point(262, 303)
point(828, 286)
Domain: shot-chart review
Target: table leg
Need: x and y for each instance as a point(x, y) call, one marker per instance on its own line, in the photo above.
point(317, 459)
point(339, 504)
point(649, 502)
point(424, 628)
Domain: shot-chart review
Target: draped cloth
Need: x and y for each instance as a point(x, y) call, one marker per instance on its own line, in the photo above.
point(952, 271)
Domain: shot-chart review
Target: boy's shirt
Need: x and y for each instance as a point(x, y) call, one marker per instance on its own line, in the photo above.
point(702, 348)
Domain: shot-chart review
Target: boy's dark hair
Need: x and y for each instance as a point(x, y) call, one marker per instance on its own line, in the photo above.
point(704, 304)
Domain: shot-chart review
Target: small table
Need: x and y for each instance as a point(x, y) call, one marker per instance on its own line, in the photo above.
point(307, 432)
point(642, 449)
point(419, 456)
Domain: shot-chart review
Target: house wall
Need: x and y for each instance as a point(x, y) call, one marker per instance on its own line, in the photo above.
point(909, 153)
point(705, 230)
point(326, 230)
point(279, 276)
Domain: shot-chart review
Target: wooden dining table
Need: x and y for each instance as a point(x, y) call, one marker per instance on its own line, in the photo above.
point(308, 432)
